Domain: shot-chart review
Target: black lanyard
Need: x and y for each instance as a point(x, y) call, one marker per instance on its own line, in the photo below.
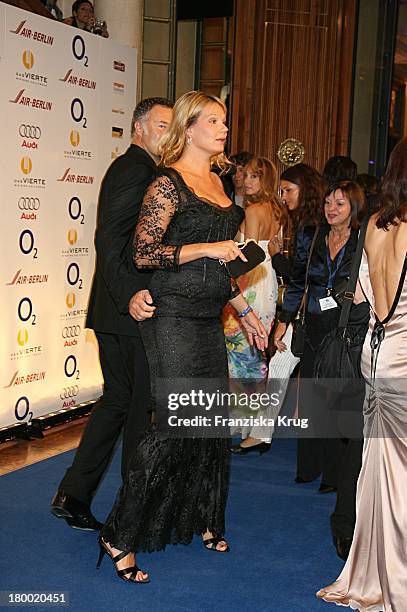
point(332, 269)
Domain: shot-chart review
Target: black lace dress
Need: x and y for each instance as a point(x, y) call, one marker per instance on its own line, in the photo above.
point(176, 488)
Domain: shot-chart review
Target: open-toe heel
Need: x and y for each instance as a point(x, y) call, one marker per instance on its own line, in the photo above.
point(211, 544)
point(129, 574)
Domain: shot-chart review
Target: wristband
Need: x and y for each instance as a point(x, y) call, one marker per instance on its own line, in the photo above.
point(245, 312)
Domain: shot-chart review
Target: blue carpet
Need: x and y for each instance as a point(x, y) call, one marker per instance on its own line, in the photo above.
point(281, 549)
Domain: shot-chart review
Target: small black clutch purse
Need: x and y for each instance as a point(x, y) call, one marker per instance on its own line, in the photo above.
point(254, 255)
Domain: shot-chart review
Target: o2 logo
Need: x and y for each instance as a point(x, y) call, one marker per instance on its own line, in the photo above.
point(25, 311)
point(22, 409)
point(73, 275)
point(78, 112)
point(75, 210)
point(71, 367)
point(79, 50)
point(26, 243)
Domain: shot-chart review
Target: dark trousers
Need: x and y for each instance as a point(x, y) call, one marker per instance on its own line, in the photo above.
point(344, 516)
point(124, 405)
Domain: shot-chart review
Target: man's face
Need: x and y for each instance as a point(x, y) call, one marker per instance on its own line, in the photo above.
point(238, 177)
point(152, 127)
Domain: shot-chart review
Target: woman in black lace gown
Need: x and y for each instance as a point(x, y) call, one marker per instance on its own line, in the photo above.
point(177, 487)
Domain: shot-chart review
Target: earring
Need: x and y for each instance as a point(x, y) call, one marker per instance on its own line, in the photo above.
point(189, 139)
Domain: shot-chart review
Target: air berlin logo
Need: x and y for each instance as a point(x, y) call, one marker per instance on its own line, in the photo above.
point(72, 236)
point(119, 66)
point(25, 279)
point(25, 378)
point(26, 165)
point(70, 300)
point(75, 138)
point(28, 59)
point(21, 30)
point(33, 102)
point(72, 79)
point(22, 337)
point(75, 178)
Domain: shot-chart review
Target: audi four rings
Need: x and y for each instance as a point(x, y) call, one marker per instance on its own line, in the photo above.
point(71, 331)
point(68, 392)
point(30, 131)
point(28, 203)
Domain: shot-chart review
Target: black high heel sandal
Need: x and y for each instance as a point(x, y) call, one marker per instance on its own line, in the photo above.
point(261, 447)
point(122, 573)
point(213, 542)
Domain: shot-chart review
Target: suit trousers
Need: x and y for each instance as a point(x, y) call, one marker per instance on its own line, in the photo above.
point(124, 405)
point(344, 516)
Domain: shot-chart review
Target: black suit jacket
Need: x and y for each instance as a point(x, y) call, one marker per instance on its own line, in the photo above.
point(116, 278)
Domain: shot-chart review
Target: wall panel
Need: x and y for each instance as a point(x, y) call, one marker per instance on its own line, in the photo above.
point(293, 76)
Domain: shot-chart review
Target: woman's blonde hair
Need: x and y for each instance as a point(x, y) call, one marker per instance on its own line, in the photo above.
point(186, 111)
point(267, 173)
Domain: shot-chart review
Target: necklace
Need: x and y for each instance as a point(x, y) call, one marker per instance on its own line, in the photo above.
point(336, 244)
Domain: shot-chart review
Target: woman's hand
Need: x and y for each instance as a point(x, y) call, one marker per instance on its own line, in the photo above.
point(274, 246)
point(255, 331)
point(278, 335)
point(224, 251)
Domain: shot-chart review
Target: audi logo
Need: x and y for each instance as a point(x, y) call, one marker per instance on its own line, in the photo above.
point(71, 331)
point(68, 392)
point(28, 203)
point(29, 131)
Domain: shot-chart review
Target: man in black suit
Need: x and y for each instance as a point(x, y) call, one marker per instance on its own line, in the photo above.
point(118, 299)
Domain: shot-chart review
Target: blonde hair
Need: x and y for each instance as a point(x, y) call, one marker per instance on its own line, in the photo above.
point(267, 173)
point(187, 109)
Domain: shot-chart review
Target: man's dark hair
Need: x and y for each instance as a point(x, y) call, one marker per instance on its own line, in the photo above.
point(340, 168)
point(145, 106)
point(242, 158)
point(78, 3)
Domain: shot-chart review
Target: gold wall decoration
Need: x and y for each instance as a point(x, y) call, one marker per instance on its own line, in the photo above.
point(291, 152)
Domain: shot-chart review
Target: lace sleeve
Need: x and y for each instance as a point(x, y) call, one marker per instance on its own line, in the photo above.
point(159, 206)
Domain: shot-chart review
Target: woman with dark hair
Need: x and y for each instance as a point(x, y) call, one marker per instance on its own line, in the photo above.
point(329, 269)
point(374, 577)
point(302, 191)
point(83, 17)
point(264, 216)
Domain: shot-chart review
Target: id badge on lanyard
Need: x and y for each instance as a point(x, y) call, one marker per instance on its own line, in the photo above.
point(328, 302)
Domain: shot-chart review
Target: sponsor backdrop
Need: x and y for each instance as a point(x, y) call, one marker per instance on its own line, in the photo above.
point(66, 105)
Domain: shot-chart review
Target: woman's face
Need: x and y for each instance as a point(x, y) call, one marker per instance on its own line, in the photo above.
point(290, 193)
point(337, 209)
point(85, 13)
point(209, 131)
point(252, 183)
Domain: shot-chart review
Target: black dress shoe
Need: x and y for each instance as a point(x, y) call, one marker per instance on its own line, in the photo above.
point(261, 448)
point(76, 513)
point(342, 546)
point(301, 480)
point(326, 488)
